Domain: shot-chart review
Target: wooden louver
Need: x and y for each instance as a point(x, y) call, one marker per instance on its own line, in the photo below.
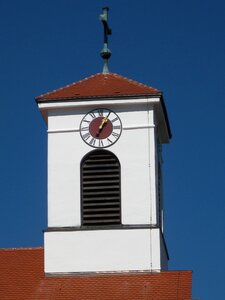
point(100, 189)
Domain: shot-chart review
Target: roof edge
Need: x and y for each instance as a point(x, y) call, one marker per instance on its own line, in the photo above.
point(19, 249)
point(69, 99)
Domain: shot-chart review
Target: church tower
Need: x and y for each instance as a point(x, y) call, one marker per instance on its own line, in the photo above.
point(105, 200)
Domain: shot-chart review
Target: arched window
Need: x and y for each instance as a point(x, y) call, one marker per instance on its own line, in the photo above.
point(100, 189)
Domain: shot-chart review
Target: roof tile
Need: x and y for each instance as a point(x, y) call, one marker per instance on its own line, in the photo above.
point(100, 85)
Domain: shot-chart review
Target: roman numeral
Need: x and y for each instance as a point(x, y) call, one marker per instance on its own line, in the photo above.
point(117, 127)
point(109, 141)
point(100, 143)
point(116, 135)
point(92, 114)
point(85, 128)
point(92, 141)
point(86, 121)
point(100, 112)
point(115, 119)
point(86, 136)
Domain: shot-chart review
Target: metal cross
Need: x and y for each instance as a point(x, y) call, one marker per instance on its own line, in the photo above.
point(105, 53)
point(104, 19)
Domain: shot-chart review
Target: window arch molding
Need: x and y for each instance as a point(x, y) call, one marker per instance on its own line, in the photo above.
point(100, 189)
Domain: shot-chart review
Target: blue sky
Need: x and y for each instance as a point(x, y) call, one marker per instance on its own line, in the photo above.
point(175, 46)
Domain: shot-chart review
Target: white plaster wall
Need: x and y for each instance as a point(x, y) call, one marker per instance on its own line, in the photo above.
point(135, 149)
point(63, 186)
point(135, 180)
point(102, 251)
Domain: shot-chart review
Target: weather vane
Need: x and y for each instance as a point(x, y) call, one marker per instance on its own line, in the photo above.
point(105, 53)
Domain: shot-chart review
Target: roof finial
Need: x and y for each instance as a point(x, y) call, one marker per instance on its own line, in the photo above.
point(105, 53)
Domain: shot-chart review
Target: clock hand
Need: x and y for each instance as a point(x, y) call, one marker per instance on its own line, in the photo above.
point(105, 120)
point(108, 115)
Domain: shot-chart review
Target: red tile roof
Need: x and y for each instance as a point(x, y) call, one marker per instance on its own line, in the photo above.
point(22, 278)
point(100, 85)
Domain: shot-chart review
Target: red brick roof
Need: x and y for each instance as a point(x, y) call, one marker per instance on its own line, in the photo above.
point(22, 278)
point(100, 85)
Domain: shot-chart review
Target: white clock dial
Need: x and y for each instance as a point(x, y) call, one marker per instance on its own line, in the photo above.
point(100, 128)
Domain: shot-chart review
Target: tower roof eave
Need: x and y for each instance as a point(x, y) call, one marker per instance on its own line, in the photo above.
point(99, 86)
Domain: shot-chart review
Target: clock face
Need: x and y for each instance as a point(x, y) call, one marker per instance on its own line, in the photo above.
point(100, 128)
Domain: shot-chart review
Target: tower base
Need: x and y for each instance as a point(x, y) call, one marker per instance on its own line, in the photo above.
point(114, 250)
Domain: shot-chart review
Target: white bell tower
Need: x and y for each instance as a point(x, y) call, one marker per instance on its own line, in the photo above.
point(105, 206)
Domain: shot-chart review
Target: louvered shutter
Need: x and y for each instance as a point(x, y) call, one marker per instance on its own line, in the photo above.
point(100, 189)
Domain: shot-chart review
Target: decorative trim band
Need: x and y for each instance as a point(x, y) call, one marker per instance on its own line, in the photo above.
point(78, 129)
point(68, 274)
point(106, 227)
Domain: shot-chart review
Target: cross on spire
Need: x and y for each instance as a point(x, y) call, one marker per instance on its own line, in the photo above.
point(105, 53)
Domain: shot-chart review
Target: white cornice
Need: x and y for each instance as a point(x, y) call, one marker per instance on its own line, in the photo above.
point(107, 102)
